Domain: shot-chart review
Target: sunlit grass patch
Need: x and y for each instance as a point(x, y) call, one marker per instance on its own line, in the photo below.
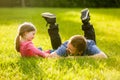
point(13, 66)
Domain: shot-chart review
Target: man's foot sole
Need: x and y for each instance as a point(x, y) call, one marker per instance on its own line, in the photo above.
point(48, 15)
point(85, 14)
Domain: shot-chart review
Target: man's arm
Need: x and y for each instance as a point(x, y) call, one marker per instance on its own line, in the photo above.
point(99, 55)
point(94, 51)
point(60, 52)
point(53, 55)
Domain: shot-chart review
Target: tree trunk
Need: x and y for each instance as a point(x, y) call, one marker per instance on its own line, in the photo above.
point(23, 3)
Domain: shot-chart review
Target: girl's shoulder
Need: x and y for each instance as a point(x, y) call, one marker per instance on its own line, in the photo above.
point(26, 43)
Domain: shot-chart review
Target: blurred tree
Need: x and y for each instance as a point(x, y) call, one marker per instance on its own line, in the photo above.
point(23, 3)
point(117, 2)
point(60, 3)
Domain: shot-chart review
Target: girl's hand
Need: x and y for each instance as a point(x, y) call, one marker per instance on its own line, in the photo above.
point(47, 55)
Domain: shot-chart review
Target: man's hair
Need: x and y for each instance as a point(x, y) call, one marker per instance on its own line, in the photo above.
point(79, 42)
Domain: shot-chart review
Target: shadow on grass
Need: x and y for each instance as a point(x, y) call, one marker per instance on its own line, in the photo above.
point(30, 68)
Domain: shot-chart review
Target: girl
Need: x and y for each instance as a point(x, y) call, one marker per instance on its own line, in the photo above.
point(24, 43)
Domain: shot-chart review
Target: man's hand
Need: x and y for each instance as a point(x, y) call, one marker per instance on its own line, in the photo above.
point(53, 55)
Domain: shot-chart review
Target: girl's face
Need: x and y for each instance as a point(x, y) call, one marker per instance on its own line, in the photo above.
point(29, 35)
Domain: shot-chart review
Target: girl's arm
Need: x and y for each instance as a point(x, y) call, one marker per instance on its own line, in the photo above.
point(36, 51)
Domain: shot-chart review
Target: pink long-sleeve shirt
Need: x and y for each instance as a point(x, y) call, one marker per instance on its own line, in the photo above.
point(27, 49)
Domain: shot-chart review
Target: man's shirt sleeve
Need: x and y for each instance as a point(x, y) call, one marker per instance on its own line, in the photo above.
point(61, 51)
point(92, 48)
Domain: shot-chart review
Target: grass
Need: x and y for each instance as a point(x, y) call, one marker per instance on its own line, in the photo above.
point(13, 66)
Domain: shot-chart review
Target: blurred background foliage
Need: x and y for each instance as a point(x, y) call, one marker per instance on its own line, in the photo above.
point(61, 3)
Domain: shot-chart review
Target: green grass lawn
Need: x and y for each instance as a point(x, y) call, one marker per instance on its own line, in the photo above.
point(107, 27)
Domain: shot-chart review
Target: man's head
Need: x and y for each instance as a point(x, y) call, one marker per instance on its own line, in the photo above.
point(76, 45)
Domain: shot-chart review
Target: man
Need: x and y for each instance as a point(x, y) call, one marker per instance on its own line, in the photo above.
point(77, 45)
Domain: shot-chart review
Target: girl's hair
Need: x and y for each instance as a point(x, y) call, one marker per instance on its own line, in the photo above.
point(24, 27)
point(78, 42)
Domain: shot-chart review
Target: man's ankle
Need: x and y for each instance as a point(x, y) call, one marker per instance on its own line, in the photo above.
point(52, 26)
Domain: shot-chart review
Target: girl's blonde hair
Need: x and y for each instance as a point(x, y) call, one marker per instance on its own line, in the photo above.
point(24, 27)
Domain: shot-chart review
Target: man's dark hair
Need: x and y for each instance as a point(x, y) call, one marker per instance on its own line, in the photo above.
point(78, 42)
